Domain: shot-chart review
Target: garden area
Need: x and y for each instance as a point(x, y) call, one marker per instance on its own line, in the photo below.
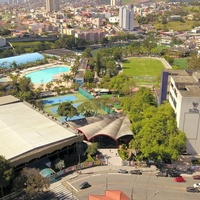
point(181, 63)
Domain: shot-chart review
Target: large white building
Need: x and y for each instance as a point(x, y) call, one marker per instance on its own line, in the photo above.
point(183, 91)
point(126, 18)
point(27, 135)
point(115, 2)
point(52, 5)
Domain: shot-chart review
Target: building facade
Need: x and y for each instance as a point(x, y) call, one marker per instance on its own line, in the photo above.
point(183, 92)
point(126, 18)
point(115, 2)
point(52, 5)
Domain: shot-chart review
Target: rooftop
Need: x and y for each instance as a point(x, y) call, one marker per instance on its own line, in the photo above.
point(23, 129)
point(21, 59)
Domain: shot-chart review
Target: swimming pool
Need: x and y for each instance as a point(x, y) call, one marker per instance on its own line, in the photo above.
point(59, 99)
point(46, 75)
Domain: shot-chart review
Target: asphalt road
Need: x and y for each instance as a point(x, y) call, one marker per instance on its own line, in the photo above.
point(141, 187)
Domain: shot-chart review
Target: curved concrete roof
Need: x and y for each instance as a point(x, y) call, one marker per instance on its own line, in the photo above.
point(111, 126)
point(21, 59)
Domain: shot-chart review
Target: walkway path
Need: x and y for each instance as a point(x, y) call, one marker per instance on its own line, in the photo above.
point(112, 156)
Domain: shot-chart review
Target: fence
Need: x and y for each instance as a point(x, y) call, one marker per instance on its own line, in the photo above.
point(89, 96)
point(85, 93)
point(76, 168)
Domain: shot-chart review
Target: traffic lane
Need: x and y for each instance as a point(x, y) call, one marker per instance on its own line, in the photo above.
point(141, 185)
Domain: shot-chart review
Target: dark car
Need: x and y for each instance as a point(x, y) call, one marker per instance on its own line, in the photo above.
point(173, 174)
point(192, 189)
point(162, 174)
point(122, 171)
point(84, 185)
point(197, 177)
point(138, 172)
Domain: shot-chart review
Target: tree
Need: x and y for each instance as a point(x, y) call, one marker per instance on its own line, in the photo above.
point(89, 108)
point(117, 54)
point(103, 41)
point(119, 82)
point(6, 173)
point(59, 164)
point(98, 63)
point(31, 182)
point(155, 132)
point(89, 76)
point(159, 137)
point(194, 62)
point(87, 53)
point(111, 68)
point(23, 89)
point(92, 149)
point(67, 109)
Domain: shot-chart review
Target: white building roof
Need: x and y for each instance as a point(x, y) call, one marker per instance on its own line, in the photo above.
point(23, 129)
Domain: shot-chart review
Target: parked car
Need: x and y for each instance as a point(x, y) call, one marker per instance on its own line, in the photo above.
point(192, 189)
point(122, 171)
point(179, 179)
point(196, 185)
point(84, 185)
point(139, 172)
point(197, 177)
point(162, 174)
point(174, 174)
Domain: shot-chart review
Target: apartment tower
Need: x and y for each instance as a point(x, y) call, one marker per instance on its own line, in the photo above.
point(126, 17)
point(52, 5)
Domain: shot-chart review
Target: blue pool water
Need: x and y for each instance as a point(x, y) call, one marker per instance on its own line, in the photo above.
point(46, 75)
point(59, 99)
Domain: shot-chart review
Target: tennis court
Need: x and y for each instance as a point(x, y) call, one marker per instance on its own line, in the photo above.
point(59, 99)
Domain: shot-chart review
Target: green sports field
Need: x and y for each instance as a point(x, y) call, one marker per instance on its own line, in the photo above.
point(143, 69)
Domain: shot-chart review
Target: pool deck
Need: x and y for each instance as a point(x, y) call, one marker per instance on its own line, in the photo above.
point(49, 65)
point(41, 67)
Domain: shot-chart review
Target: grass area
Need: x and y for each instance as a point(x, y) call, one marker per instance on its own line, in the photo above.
point(142, 67)
point(144, 70)
point(29, 45)
point(176, 25)
point(182, 63)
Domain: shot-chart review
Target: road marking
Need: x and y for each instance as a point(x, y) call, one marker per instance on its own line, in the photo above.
point(96, 175)
point(72, 186)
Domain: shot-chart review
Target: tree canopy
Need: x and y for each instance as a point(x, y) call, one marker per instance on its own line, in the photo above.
point(155, 132)
point(67, 109)
point(31, 182)
point(6, 173)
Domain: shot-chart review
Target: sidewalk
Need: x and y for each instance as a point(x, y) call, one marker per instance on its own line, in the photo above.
point(112, 156)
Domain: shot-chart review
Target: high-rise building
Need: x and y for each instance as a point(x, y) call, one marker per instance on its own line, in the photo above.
point(182, 89)
point(126, 17)
point(52, 5)
point(115, 2)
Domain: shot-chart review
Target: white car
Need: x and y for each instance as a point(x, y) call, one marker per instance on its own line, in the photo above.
point(196, 185)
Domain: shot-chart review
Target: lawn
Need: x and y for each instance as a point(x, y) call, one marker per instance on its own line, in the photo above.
point(142, 67)
point(144, 70)
point(176, 25)
point(182, 63)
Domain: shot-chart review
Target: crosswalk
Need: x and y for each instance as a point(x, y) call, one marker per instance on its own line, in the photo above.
point(60, 193)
